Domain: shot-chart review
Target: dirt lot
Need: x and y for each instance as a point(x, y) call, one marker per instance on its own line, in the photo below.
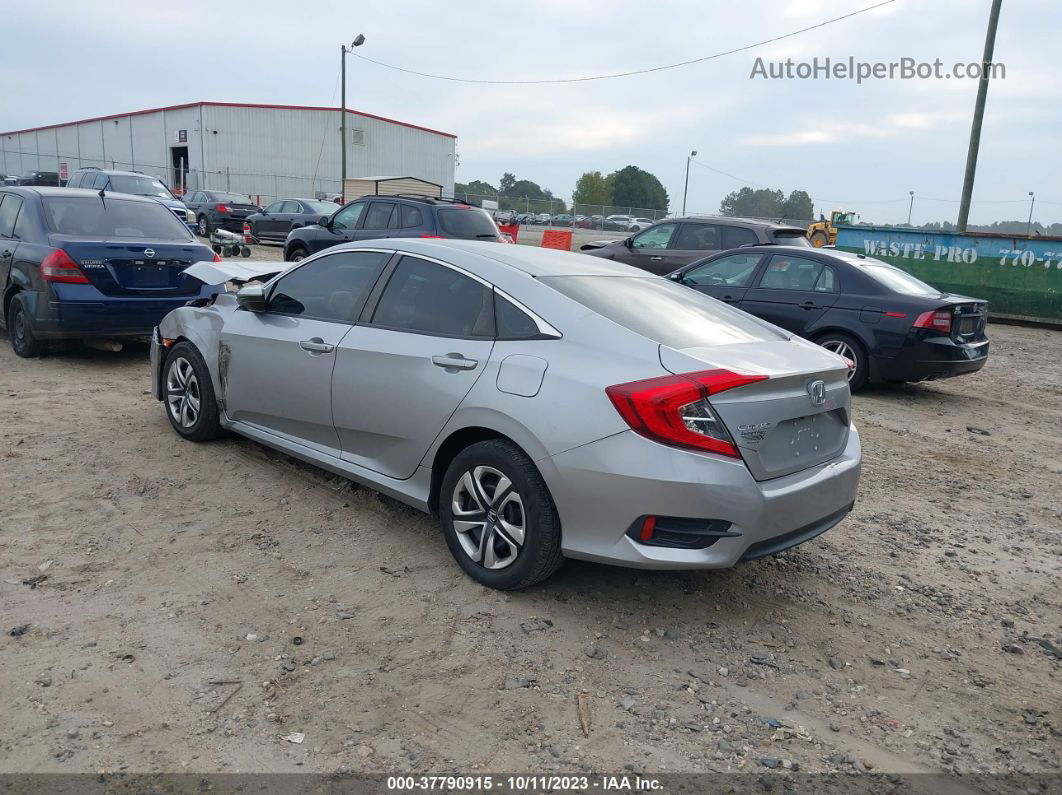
point(164, 584)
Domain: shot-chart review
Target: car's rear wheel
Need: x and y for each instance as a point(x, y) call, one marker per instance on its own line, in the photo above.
point(20, 329)
point(850, 348)
point(203, 226)
point(498, 516)
point(189, 394)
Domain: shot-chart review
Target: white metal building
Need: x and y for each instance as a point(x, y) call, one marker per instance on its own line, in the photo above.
point(264, 151)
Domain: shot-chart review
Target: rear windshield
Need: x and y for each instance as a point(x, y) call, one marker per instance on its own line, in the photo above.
point(139, 186)
point(234, 198)
point(113, 218)
point(897, 280)
point(470, 223)
point(792, 237)
point(324, 208)
point(663, 311)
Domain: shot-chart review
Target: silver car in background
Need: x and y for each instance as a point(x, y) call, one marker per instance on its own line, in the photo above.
point(544, 404)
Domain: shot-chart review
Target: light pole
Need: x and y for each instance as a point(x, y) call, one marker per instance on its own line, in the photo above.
point(910, 208)
point(686, 189)
point(1032, 203)
point(344, 49)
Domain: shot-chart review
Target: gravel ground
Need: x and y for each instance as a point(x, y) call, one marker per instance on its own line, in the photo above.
point(177, 607)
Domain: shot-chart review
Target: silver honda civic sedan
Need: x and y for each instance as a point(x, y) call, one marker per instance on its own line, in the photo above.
point(544, 404)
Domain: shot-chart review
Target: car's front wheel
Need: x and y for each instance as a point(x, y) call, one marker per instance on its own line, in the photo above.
point(296, 253)
point(498, 516)
point(189, 394)
point(20, 329)
point(851, 349)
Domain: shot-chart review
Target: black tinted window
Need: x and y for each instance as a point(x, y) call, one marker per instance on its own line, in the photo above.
point(470, 223)
point(411, 216)
point(9, 208)
point(663, 311)
point(698, 237)
point(433, 299)
point(791, 273)
point(511, 321)
point(733, 271)
point(113, 217)
point(379, 215)
point(330, 288)
point(734, 236)
point(347, 218)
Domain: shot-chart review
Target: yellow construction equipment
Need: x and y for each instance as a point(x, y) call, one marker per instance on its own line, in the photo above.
point(824, 233)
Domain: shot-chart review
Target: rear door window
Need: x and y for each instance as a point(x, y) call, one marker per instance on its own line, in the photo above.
point(429, 298)
point(512, 322)
point(378, 216)
point(291, 207)
point(9, 208)
point(332, 288)
point(411, 216)
point(698, 237)
point(791, 273)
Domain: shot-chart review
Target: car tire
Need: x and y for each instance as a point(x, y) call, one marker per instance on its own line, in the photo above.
point(20, 330)
point(296, 253)
point(819, 239)
point(186, 383)
point(203, 226)
point(847, 345)
point(523, 532)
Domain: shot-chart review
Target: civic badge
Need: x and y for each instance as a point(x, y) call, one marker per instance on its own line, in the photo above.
point(817, 392)
point(149, 252)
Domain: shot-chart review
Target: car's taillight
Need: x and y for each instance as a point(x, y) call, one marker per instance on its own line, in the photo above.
point(937, 319)
point(58, 267)
point(223, 208)
point(434, 237)
point(674, 409)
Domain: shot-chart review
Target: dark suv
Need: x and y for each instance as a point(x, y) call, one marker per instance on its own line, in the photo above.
point(372, 217)
point(675, 242)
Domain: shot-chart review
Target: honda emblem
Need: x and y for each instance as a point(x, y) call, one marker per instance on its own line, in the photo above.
point(817, 392)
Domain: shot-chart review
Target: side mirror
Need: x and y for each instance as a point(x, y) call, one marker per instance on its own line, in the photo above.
point(324, 221)
point(675, 277)
point(252, 298)
point(629, 241)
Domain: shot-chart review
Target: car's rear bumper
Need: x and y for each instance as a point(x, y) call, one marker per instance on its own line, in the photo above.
point(96, 315)
point(602, 488)
point(229, 224)
point(930, 359)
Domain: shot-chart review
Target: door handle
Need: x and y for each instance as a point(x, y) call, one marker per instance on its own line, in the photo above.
point(729, 298)
point(316, 345)
point(5, 253)
point(808, 305)
point(655, 259)
point(454, 361)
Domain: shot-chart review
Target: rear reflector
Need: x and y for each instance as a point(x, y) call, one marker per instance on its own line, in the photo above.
point(648, 526)
point(674, 409)
point(937, 319)
point(58, 267)
point(895, 314)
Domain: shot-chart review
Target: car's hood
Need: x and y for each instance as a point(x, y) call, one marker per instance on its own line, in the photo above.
point(233, 271)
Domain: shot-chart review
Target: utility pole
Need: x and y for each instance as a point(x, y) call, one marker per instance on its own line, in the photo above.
point(910, 208)
point(1032, 203)
point(979, 113)
point(686, 189)
point(343, 50)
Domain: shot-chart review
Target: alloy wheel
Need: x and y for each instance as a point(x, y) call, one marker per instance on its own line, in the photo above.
point(488, 517)
point(182, 393)
point(842, 348)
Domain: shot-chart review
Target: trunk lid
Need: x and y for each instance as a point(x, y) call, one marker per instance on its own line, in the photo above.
point(969, 317)
point(125, 268)
point(787, 422)
point(241, 210)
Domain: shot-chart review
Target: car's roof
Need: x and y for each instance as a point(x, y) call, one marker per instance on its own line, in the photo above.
point(113, 171)
point(45, 191)
point(736, 220)
point(532, 260)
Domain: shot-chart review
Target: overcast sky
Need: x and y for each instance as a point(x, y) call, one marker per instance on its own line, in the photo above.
point(858, 146)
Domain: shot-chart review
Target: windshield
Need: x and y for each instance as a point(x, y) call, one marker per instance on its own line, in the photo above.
point(896, 279)
point(324, 208)
point(114, 218)
point(139, 186)
point(233, 198)
point(844, 218)
point(663, 311)
point(470, 223)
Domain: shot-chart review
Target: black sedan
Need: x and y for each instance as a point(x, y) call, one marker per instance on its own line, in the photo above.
point(216, 209)
point(283, 215)
point(892, 326)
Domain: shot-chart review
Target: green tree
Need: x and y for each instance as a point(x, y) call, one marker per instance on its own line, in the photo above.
point(505, 186)
point(798, 206)
point(475, 188)
point(762, 203)
point(593, 188)
point(638, 189)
